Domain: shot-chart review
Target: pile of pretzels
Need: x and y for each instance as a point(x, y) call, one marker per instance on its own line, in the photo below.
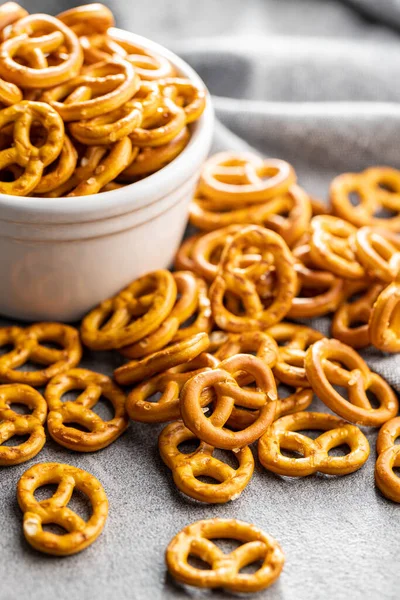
point(83, 109)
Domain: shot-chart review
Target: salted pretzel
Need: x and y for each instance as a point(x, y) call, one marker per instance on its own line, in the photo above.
point(22, 152)
point(80, 534)
point(100, 433)
point(314, 453)
point(109, 127)
point(27, 347)
point(276, 261)
point(379, 252)
point(350, 321)
point(99, 89)
point(384, 322)
point(377, 188)
point(161, 127)
point(320, 291)
point(89, 17)
point(186, 94)
point(293, 341)
point(9, 13)
point(388, 458)
point(186, 468)
point(257, 342)
point(16, 424)
point(229, 393)
point(206, 250)
point(233, 179)
point(293, 217)
point(224, 569)
point(33, 39)
point(331, 248)
point(136, 311)
point(60, 171)
point(148, 64)
point(171, 356)
point(324, 369)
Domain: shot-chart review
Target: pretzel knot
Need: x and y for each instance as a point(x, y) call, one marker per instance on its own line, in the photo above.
point(187, 468)
point(13, 423)
point(265, 287)
point(388, 458)
point(377, 188)
point(89, 17)
point(54, 510)
point(224, 571)
point(101, 433)
point(379, 252)
point(384, 322)
point(228, 393)
point(36, 39)
point(28, 347)
point(324, 369)
point(283, 435)
point(32, 159)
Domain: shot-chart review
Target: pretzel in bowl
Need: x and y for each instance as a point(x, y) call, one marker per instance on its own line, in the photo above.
point(160, 128)
point(79, 533)
point(187, 468)
point(384, 322)
point(225, 569)
point(388, 458)
point(378, 188)
point(100, 433)
point(9, 13)
point(324, 369)
point(16, 424)
point(314, 453)
point(59, 171)
point(27, 347)
point(228, 394)
point(136, 311)
point(93, 18)
point(379, 252)
point(275, 270)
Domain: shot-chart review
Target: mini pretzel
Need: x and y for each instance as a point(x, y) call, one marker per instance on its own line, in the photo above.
point(228, 393)
point(13, 423)
point(206, 250)
point(60, 171)
point(110, 127)
point(231, 179)
point(276, 259)
point(80, 534)
point(358, 312)
point(388, 457)
point(148, 65)
point(89, 17)
point(193, 99)
point(132, 314)
point(224, 569)
point(283, 435)
point(258, 342)
point(33, 38)
point(101, 88)
point(27, 347)
point(331, 248)
point(9, 13)
point(378, 188)
point(22, 152)
point(293, 218)
point(101, 433)
point(186, 468)
point(168, 384)
point(320, 292)
point(379, 252)
point(323, 368)
point(171, 356)
point(293, 341)
point(384, 322)
point(161, 127)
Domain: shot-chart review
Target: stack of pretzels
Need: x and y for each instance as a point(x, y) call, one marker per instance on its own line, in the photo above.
point(82, 109)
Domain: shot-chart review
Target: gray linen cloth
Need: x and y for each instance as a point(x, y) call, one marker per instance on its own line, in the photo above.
point(315, 83)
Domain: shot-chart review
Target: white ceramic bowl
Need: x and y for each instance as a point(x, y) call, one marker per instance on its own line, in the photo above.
point(59, 257)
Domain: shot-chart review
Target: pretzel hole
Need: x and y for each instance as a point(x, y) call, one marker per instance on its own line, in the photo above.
point(21, 409)
point(189, 446)
point(16, 440)
point(284, 391)
point(342, 390)
point(54, 528)
point(385, 213)
point(45, 492)
point(354, 198)
point(198, 563)
point(383, 185)
point(37, 134)
point(156, 397)
point(209, 480)
point(78, 426)
point(6, 349)
point(290, 453)
point(252, 567)
point(372, 399)
point(104, 409)
point(341, 450)
point(71, 396)
point(310, 433)
point(227, 457)
point(10, 174)
point(227, 545)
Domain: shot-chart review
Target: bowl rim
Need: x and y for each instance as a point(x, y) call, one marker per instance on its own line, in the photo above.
point(138, 194)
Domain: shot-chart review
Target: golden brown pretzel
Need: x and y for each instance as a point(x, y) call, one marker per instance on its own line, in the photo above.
point(224, 571)
point(377, 188)
point(9, 13)
point(384, 322)
point(206, 250)
point(228, 393)
point(324, 369)
point(388, 457)
point(186, 468)
point(109, 127)
point(379, 252)
point(80, 534)
point(161, 127)
point(293, 218)
point(15, 424)
point(276, 261)
point(149, 65)
point(33, 38)
point(186, 94)
point(136, 311)
point(60, 171)
point(27, 347)
point(283, 434)
point(257, 342)
point(100, 433)
point(89, 17)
